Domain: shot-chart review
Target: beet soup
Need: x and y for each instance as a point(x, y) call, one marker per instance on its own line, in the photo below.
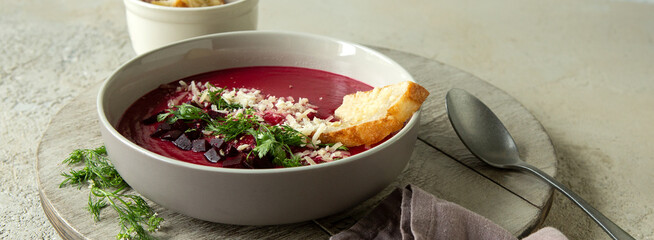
point(250, 117)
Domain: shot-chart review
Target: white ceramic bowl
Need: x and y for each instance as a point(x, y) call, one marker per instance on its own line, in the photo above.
point(252, 196)
point(152, 26)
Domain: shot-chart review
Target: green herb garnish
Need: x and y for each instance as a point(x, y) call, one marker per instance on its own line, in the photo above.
point(215, 97)
point(233, 126)
point(108, 189)
point(288, 135)
point(97, 170)
point(273, 141)
point(276, 141)
point(184, 111)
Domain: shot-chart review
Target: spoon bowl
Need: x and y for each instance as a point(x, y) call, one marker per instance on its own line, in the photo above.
point(482, 132)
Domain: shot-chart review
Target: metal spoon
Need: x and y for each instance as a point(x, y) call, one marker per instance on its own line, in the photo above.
point(487, 138)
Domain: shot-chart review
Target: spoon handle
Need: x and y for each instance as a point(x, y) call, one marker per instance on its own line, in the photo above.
point(609, 227)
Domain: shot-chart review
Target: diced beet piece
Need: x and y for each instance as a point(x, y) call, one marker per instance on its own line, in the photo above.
point(216, 142)
point(171, 135)
point(199, 125)
point(164, 126)
point(152, 119)
point(194, 134)
point(182, 142)
point(195, 104)
point(246, 164)
point(200, 145)
point(231, 151)
point(214, 114)
point(212, 155)
point(158, 133)
point(234, 162)
point(261, 163)
point(180, 125)
point(162, 129)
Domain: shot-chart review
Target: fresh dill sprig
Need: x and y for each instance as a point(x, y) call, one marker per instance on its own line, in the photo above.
point(233, 126)
point(184, 111)
point(97, 169)
point(107, 189)
point(133, 212)
point(288, 135)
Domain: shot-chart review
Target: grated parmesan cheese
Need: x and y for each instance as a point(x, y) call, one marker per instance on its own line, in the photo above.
point(243, 147)
point(309, 160)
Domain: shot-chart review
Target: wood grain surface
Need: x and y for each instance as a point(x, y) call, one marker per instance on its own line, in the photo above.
point(440, 165)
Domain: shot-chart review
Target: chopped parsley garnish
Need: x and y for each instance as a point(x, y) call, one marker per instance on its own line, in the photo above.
point(276, 141)
point(108, 189)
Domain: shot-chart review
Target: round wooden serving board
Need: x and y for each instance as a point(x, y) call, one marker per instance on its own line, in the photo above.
point(440, 164)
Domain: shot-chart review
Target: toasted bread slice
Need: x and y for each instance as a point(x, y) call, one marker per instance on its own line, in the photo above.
point(366, 118)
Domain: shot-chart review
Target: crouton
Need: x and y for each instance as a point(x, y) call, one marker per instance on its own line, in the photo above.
point(366, 118)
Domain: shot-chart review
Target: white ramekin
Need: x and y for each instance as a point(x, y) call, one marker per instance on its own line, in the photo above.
point(151, 26)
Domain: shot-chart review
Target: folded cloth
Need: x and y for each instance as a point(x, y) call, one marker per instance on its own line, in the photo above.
point(412, 213)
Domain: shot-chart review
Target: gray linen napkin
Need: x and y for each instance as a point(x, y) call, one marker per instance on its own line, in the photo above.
point(412, 213)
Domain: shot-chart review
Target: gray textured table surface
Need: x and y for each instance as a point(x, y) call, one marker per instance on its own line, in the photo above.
point(582, 67)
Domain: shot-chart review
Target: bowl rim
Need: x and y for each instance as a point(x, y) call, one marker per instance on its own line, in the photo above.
point(104, 122)
point(187, 9)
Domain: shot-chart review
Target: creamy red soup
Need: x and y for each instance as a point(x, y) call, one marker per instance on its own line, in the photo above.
point(197, 119)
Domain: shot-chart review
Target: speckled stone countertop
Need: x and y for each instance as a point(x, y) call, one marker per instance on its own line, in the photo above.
point(582, 67)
